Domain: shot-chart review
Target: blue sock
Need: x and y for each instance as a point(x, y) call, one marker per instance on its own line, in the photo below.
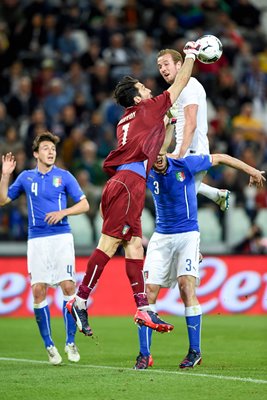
point(145, 338)
point(42, 316)
point(70, 325)
point(193, 323)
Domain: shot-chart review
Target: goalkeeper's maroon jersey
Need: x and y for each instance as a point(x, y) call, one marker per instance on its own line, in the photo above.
point(140, 133)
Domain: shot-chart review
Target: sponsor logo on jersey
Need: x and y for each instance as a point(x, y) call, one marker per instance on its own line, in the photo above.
point(57, 181)
point(125, 229)
point(180, 176)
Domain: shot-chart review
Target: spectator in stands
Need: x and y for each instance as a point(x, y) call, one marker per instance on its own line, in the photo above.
point(250, 127)
point(22, 103)
point(253, 243)
point(67, 46)
point(56, 100)
point(5, 121)
point(88, 161)
point(42, 80)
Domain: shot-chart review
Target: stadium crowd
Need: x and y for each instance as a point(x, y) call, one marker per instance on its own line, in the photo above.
point(60, 61)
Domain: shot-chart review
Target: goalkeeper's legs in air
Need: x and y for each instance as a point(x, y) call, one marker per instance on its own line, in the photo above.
point(134, 269)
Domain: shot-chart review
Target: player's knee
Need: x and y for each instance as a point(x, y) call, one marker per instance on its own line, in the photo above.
point(68, 288)
point(187, 288)
point(38, 292)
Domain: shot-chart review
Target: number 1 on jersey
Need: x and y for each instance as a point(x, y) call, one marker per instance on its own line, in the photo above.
point(125, 129)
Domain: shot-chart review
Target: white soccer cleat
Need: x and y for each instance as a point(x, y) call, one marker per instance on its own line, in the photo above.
point(223, 199)
point(72, 352)
point(53, 355)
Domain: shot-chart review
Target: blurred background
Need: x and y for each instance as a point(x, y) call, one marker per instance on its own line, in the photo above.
point(59, 63)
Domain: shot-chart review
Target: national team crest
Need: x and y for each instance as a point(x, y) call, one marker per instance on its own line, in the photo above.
point(57, 181)
point(180, 176)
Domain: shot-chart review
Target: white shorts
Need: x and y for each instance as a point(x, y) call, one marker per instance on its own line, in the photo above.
point(171, 256)
point(51, 259)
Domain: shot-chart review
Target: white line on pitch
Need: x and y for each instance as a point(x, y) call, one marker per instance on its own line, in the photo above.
point(161, 371)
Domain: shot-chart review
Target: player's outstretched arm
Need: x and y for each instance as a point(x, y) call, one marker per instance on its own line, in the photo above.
point(191, 50)
point(256, 176)
point(8, 166)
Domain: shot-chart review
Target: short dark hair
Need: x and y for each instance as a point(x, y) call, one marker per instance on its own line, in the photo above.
point(176, 56)
point(44, 137)
point(125, 91)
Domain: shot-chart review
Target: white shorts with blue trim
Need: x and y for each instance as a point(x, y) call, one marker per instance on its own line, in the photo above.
point(170, 256)
point(51, 259)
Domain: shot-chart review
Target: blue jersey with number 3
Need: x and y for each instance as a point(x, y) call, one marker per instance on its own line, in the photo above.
point(174, 194)
point(46, 193)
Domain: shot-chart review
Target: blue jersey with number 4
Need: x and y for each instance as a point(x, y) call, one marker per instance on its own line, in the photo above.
point(174, 194)
point(46, 193)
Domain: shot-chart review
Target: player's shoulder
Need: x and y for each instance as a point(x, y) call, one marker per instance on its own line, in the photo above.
point(59, 170)
point(194, 83)
point(176, 162)
point(27, 173)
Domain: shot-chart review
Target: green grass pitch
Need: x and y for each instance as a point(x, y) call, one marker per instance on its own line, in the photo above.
point(234, 362)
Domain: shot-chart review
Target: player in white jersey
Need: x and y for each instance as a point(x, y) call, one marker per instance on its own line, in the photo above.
point(191, 127)
point(173, 250)
point(50, 253)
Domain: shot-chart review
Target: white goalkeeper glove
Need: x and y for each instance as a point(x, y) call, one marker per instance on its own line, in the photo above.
point(192, 48)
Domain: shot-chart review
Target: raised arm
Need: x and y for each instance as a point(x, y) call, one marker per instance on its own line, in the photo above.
point(256, 176)
point(8, 166)
point(191, 50)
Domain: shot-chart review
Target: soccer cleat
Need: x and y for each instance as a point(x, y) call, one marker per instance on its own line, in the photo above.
point(53, 355)
point(152, 320)
point(80, 317)
point(150, 361)
point(223, 200)
point(193, 358)
point(142, 362)
point(72, 352)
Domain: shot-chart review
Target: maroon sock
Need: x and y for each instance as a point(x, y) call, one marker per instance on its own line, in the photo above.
point(134, 270)
point(95, 267)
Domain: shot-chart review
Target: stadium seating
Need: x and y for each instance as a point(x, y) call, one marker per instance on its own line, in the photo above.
point(81, 229)
point(237, 225)
point(210, 228)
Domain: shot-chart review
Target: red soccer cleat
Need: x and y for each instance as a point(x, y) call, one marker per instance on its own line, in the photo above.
point(150, 361)
point(152, 320)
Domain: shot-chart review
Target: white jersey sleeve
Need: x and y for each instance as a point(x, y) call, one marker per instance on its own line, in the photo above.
point(193, 93)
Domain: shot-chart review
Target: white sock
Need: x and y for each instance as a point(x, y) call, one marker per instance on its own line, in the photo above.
point(209, 192)
point(153, 307)
point(81, 303)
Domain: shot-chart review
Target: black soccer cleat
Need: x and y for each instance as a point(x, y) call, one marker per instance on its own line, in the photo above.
point(142, 362)
point(193, 358)
point(80, 317)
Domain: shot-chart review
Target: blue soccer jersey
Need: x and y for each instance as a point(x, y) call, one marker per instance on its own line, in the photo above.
point(46, 193)
point(174, 194)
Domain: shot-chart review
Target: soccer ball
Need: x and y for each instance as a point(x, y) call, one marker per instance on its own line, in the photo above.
point(210, 49)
